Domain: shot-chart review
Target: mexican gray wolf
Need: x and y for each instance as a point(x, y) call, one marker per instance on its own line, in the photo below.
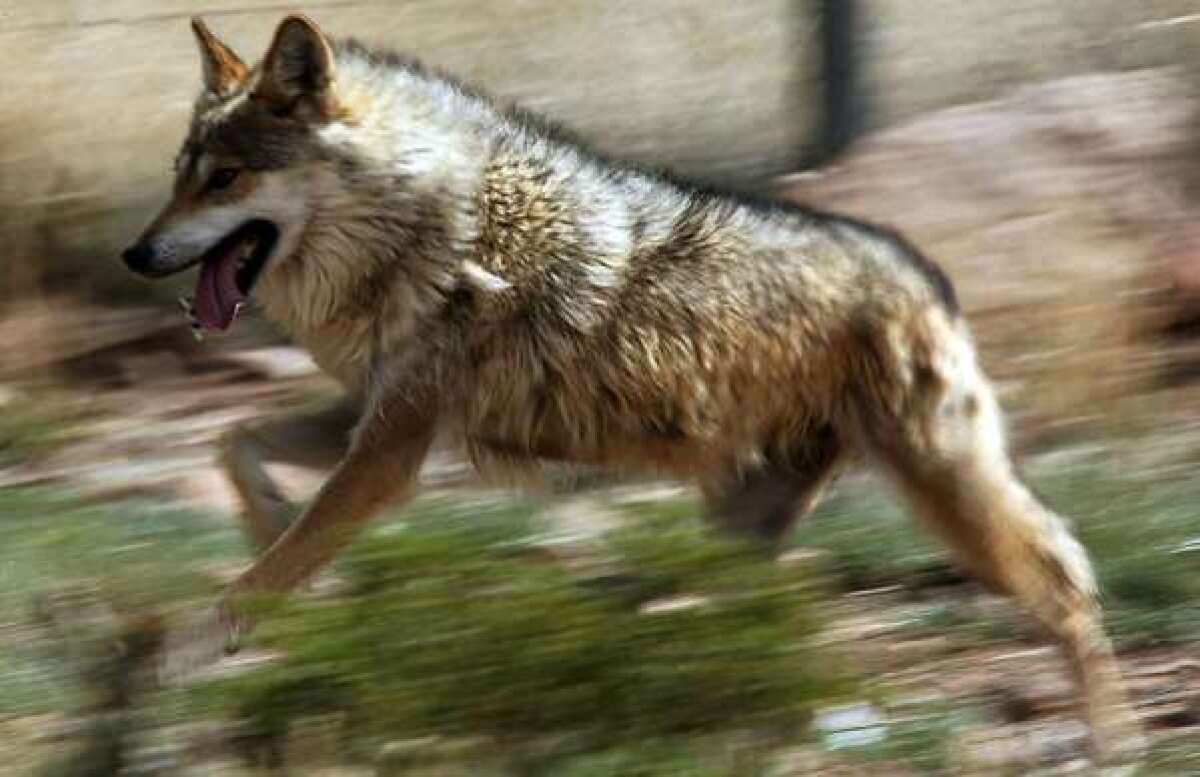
point(466, 270)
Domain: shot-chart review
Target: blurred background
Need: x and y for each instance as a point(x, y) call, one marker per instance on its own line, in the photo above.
point(1045, 152)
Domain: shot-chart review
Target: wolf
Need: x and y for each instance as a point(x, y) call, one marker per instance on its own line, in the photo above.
point(466, 270)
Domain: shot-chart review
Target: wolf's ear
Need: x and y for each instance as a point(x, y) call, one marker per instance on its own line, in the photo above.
point(223, 70)
point(298, 70)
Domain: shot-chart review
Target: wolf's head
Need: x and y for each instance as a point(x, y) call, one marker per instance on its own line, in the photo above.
point(244, 174)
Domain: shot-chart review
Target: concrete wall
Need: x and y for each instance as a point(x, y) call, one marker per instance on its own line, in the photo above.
point(96, 92)
point(713, 88)
point(927, 54)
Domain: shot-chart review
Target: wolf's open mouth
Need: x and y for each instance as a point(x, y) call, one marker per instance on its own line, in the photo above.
point(228, 272)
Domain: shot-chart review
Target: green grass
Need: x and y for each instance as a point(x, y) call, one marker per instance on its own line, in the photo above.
point(1137, 531)
point(648, 759)
point(133, 555)
point(1172, 755)
point(29, 429)
point(451, 627)
point(923, 742)
point(870, 540)
point(451, 623)
point(1136, 528)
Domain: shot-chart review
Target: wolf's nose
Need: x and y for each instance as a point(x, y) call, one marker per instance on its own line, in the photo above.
point(137, 257)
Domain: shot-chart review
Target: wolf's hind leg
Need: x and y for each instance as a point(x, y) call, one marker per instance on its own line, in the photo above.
point(944, 446)
point(316, 439)
point(765, 502)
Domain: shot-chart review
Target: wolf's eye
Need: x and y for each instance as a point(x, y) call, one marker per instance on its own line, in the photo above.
point(222, 178)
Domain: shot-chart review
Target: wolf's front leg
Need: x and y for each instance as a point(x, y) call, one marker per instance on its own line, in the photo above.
point(313, 438)
point(380, 468)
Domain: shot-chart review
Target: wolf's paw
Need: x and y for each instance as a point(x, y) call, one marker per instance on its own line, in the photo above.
point(1119, 741)
point(200, 642)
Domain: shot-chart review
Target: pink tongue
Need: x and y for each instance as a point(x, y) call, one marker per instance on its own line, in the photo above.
point(217, 294)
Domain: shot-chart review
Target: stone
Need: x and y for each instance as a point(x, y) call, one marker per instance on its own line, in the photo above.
point(850, 726)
